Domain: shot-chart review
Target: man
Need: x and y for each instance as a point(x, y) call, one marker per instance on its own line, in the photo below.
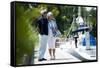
point(75, 37)
point(42, 24)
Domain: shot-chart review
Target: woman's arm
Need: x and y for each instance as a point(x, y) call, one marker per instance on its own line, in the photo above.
point(56, 28)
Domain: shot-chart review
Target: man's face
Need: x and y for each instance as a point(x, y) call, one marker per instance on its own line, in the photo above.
point(45, 15)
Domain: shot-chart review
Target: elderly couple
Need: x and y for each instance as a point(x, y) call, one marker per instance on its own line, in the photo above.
point(47, 34)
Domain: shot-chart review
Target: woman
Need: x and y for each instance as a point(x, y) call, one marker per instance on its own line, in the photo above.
point(52, 27)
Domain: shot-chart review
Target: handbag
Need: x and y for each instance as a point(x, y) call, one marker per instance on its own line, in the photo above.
point(57, 33)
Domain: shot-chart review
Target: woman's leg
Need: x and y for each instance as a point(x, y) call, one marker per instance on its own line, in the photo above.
point(50, 52)
point(54, 53)
point(54, 41)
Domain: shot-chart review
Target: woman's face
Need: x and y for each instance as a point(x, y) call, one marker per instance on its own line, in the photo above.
point(50, 17)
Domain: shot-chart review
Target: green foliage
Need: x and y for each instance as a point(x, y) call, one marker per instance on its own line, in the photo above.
point(90, 19)
point(26, 35)
point(55, 11)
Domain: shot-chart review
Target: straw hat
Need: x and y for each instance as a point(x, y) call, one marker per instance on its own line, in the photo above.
point(43, 11)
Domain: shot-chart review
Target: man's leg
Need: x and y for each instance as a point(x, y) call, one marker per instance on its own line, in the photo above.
point(43, 46)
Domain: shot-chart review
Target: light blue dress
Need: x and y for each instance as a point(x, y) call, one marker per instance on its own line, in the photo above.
point(51, 38)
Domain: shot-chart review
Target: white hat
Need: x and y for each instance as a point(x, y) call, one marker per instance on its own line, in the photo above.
point(49, 14)
point(43, 11)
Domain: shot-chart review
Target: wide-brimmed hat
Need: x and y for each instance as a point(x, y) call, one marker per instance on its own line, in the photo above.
point(43, 11)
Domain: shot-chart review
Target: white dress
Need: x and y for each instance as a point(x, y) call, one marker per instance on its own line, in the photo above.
point(51, 38)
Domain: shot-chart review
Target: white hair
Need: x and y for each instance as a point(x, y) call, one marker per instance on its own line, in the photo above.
point(49, 14)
